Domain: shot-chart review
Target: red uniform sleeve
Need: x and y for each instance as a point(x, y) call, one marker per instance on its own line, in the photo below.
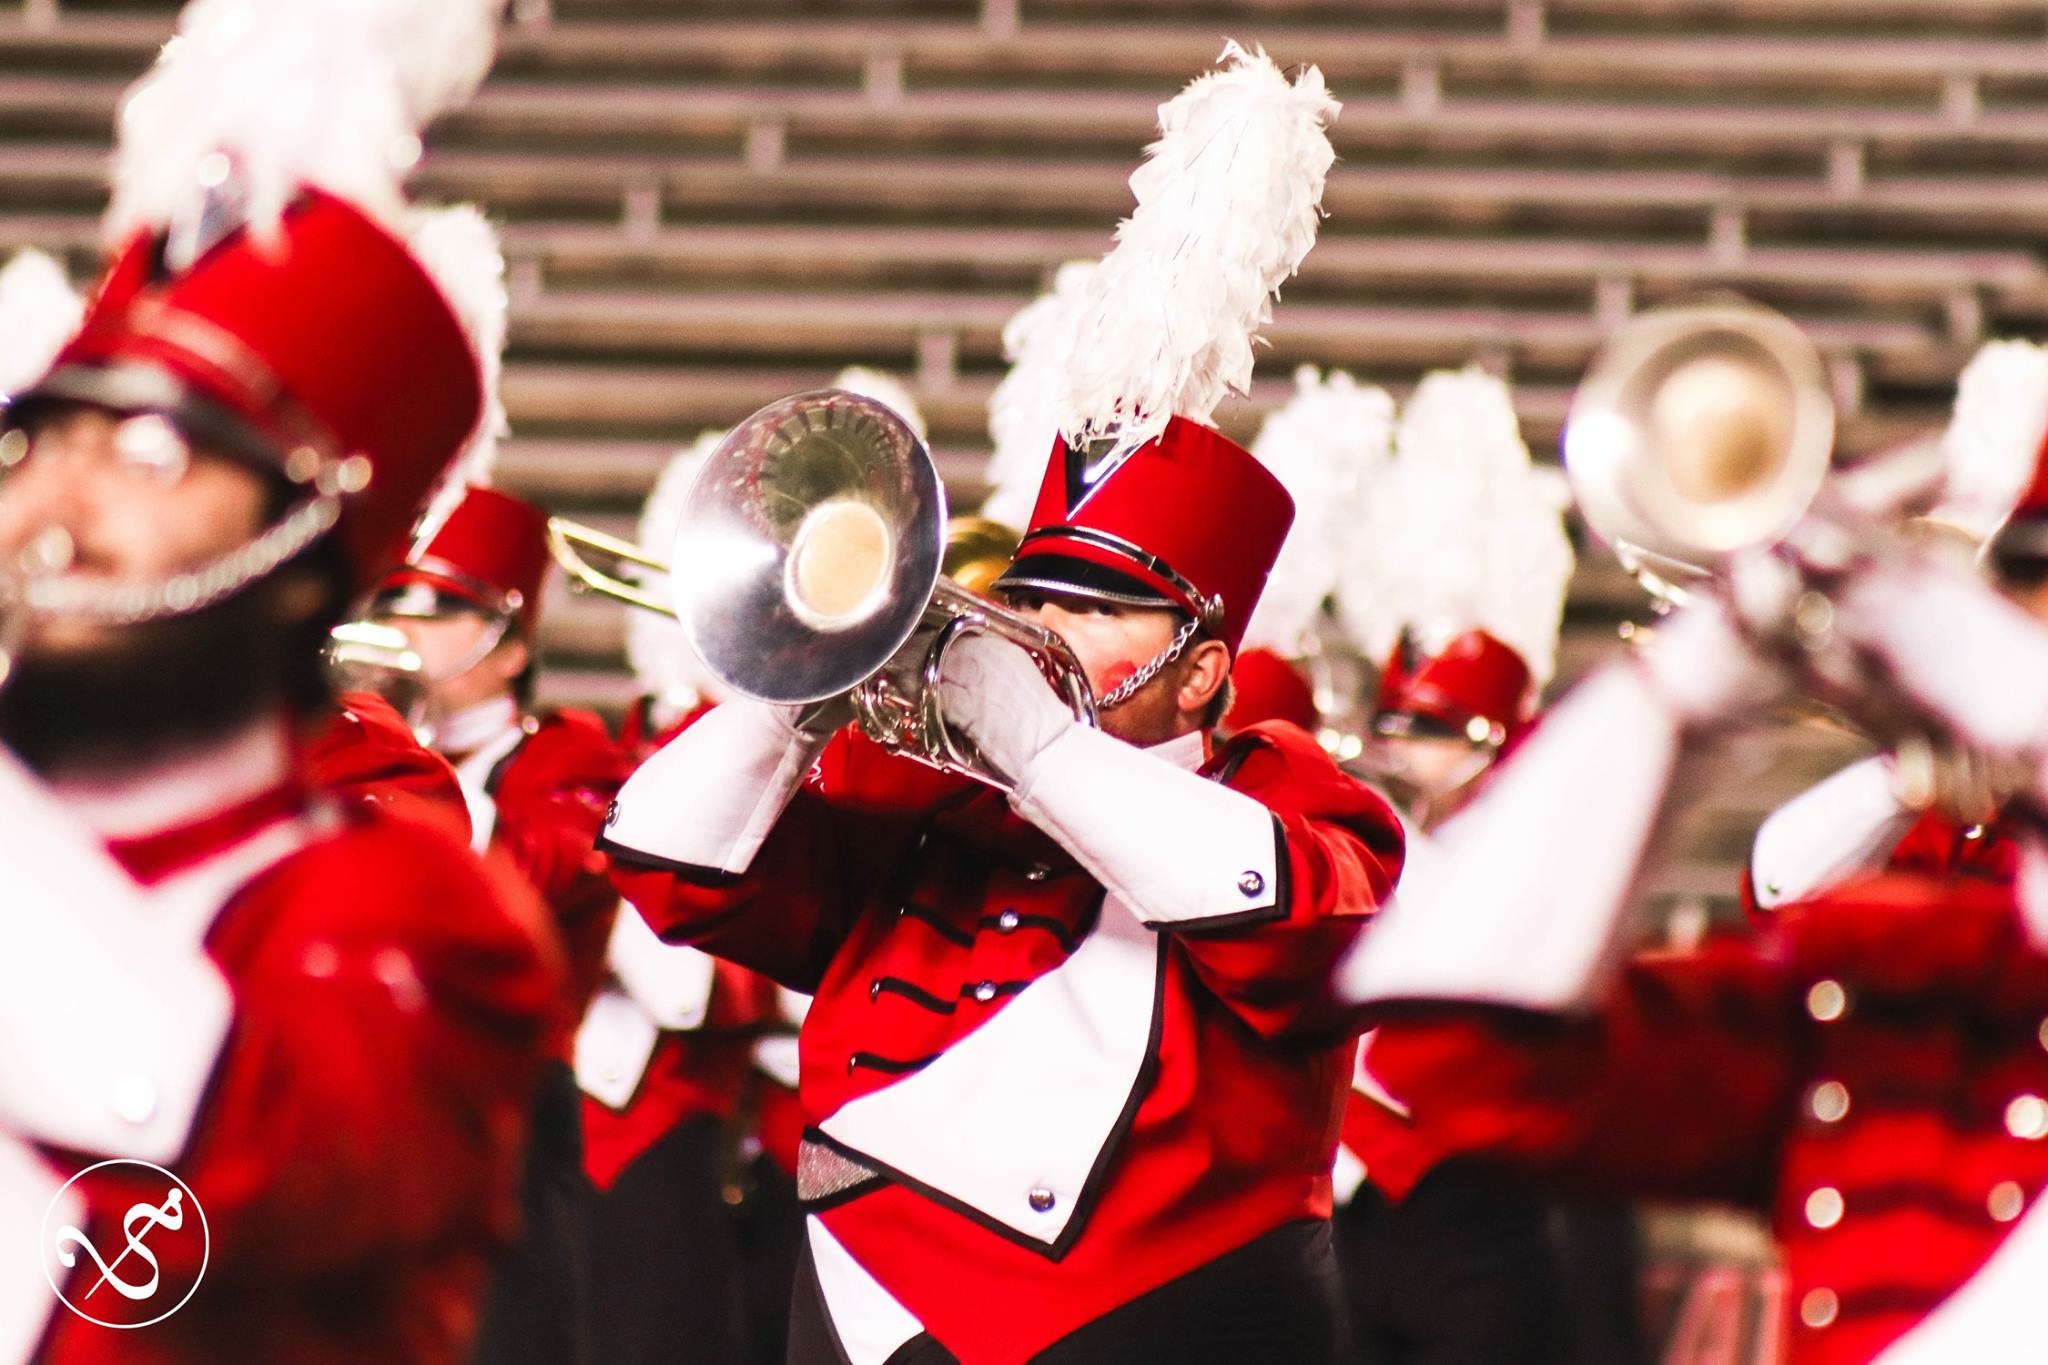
point(787, 915)
point(364, 754)
point(1678, 1087)
point(1341, 855)
point(371, 1101)
point(551, 801)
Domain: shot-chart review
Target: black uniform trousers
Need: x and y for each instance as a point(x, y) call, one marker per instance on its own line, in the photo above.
point(1462, 1272)
point(1273, 1301)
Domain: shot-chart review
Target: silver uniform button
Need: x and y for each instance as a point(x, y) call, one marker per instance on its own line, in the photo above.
point(1037, 872)
point(1819, 1308)
point(1824, 1207)
point(2026, 1118)
point(1251, 883)
point(1829, 1102)
point(2006, 1201)
point(134, 1099)
point(1008, 921)
point(1041, 1200)
point(984, 991)
point(1827, 1001)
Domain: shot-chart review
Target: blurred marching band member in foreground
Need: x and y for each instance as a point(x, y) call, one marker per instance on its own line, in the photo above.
point(1925, 810)
point(1456, 577)
point(1068, 1068)
point(324, 1020)
point(1867, 1070)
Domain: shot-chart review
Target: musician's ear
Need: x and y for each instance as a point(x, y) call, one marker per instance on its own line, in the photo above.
point(511, 658)
point(1204, 677)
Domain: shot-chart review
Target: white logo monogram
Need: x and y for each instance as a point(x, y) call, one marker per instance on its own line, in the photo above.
point(135, 1273)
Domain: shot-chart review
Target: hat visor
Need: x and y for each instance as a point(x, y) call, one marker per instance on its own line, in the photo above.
point(133, 389)
point(2022, 540)
point(1073, 577)
point(416, 595)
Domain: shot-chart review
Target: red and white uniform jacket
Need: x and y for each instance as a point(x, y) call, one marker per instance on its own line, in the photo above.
point(365, 753)
point(538, 788)
point(1852, 824)
point(669, 1035)
point(1870, 1074)
point(325, 1021)
point(1868, 1071)
point(1041, 1075)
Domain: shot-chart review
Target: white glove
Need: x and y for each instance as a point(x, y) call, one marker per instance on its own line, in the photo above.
point(711, 795)
point(1702, 665)
point(992, 691)
point(1954, 647)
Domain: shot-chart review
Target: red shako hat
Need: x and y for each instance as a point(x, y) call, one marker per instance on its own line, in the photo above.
point(490, 555)
point(330, 357)
point(1189, 519)
point(1475, 686)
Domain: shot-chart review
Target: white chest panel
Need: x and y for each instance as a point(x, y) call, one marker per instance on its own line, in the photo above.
point(1012, 1119)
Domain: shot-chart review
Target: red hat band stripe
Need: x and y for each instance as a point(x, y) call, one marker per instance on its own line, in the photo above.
point(239, 368)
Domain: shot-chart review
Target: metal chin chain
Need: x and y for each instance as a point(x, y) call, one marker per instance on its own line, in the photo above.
point(1130, 686)
point(129, 604)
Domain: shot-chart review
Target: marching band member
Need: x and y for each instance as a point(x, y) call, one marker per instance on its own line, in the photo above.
point(1069, 1084)
point(1457, 578)
point(468, 598)
point(1867, 1071)
point(1937, 815)
point(323, 1021)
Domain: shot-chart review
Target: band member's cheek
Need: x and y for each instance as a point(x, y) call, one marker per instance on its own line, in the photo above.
point(1116, 675)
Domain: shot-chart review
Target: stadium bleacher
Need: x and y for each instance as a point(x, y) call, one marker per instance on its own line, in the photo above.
point(709, 205)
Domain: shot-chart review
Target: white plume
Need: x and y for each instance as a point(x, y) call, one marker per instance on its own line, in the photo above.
point(1229, 199)
point(887, 390)
point(1331, 446)
point(1023, 413)
point(655, 645)
point(460, 249)
point(254, 99)
point(1995, 434)
point(39, 313)
point(1464, 535)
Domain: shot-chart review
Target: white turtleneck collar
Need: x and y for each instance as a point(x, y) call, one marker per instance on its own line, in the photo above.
point(473, 728)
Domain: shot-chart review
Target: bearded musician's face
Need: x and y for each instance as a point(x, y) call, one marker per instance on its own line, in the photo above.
point(108, 500)
point(115, 499)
